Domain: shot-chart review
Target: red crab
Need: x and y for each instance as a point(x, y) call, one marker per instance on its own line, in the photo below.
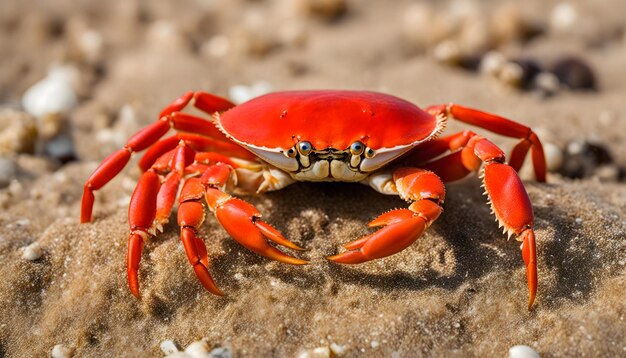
point(277, 139)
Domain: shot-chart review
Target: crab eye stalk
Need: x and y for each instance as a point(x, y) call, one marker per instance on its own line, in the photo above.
point(291, 153)
point(357, 148)
point(305, 148)
point(369, 153)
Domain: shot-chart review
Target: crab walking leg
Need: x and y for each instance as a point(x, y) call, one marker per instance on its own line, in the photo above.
point(507, 196)
point(400, 227)
point(197, 143)
point(150, 207)
point(505, 127)
point(113, 164)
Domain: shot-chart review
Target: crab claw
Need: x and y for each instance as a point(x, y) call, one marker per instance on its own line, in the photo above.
point(402, 228)
point(242, 222)
point(513, 210)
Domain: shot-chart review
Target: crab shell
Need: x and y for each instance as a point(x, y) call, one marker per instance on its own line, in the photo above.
point(331, 121)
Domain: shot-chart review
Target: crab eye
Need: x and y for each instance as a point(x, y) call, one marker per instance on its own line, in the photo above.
point(356, 148)
point(291, 153)
point(369, 153)
point(305, 148)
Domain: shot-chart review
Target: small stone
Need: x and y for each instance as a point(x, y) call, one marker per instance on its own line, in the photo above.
point(241, 93)
point(423, 27)
point(32, 252)
point(575, 74)
point(554, 156)
point(511, 74)
point(521, 351)
point(530, 69)
point(492, 63)
point(547, 83)
point(328, 10)
point(62, 351)
point(168, 347)
point(166, 36)
point(217, 46)
point(54, 95)
point(447, 52)
point(8, 171)
point(338, 349)
point(198, 349)
point(91, 45)
point(374, 344)
point(319, 352)
point(582, 158)
point(18, 132)
point(221, 352)
point(564, 17)
point(60, 148)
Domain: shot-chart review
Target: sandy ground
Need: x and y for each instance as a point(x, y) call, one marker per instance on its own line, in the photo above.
point(458, 291)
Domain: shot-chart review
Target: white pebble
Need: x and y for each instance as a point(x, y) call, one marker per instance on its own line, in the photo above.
point(522, 351)
point(32, 252)
point(62, 351)
point(91, 45)
point(564, 17)
point(337, 349)
point(216, 46)
point(8, 171)
point(168, 347)
point(374, 344)
point(447, 52)
point(241, 93)
point(547, 82)
point(198, 349)
point(319, 352)
point(492, 63)
point(554, 156)
point(54, 95)
point(511, 74)
point(221, 352)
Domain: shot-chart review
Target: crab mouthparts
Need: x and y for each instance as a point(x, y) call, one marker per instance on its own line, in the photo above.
point(330, 154)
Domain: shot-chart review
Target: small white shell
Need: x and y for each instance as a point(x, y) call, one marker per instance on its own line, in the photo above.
point(168, 347)
point(62, 351)
point(53, 95)
point(521, 351)
point(32, 252)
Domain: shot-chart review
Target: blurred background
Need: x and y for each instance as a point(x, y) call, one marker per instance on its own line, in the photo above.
point(556, 65)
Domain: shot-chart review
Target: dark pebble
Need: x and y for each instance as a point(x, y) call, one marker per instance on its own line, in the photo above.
point(575, 74)
point(582, 158)
point(530, 68)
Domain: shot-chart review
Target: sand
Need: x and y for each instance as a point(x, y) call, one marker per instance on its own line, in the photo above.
point(460, 290)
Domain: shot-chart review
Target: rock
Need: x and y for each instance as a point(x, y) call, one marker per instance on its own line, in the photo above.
point(574, 73)
point(18, 132)
point(54, 95)
point(328, 10)
point(32, 252)
point(198, 349)
point(168, 347)
point(8, 171)
point(62, 351)
point(319, 352)
point(60, 148)
point(492, 63)
point(563, 17)
point(241, 93)
point(583, 157)
point(521, 351)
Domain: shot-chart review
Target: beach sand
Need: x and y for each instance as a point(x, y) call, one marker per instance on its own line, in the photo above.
point(460, 290)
